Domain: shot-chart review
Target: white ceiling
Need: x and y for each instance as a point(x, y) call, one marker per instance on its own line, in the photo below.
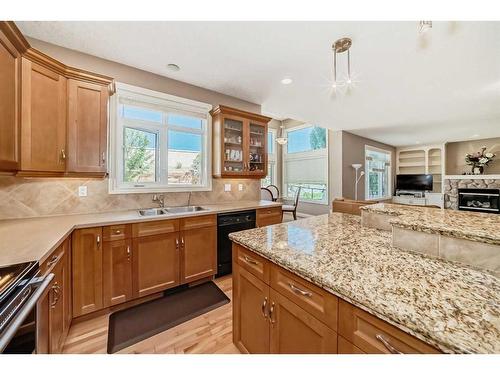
point(442, 86)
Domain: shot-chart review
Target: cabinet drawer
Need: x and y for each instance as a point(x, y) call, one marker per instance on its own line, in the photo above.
point(316, 301)
point(198, 222)
point(52, 260)
point(116, 232)
point(346, 347)
point(269, 216)
point(252, 262)
point(373, 335)
point(151, 228)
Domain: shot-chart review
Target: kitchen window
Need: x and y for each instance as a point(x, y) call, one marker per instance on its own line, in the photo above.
point(305, 164)
point(378, 173)
point(158, 142)
point(270, 179)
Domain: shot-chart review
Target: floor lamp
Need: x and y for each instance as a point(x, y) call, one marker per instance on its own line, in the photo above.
point(356, 167)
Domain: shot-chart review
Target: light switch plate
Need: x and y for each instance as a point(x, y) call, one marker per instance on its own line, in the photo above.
point(227, 187)
point(82, 191)
point(240, 187)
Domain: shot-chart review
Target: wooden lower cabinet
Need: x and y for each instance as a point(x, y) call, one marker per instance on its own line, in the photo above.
point(155, 263)
point(87, 270)
point(250, 320)
point(295, 331)
point(346, 347)
point(117, 272)
point(269, 216)
point(198, 254)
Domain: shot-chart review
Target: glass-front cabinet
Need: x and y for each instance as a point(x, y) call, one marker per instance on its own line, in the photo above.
point(239, 143)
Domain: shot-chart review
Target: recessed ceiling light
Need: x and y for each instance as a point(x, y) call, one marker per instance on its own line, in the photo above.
point(417, 142)
point(173, 67)
point(474, 135)
point(286, 81)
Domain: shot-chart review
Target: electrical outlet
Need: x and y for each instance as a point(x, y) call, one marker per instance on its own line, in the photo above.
point(227, 187)
point(240, 187)
point(82, 191)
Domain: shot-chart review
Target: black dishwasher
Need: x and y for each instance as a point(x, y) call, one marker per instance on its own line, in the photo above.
point(229, 223)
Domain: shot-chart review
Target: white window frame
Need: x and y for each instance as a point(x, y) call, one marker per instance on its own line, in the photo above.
point(272, 157)
point(167, 104)
point(389, 174)
point(305, 155)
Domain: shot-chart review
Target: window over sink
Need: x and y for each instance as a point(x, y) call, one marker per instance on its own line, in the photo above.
point(158, 142)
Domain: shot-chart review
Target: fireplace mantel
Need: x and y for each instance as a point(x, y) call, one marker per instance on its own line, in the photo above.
point(472, 177)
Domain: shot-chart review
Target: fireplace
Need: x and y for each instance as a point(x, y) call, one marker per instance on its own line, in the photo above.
point(479, 200)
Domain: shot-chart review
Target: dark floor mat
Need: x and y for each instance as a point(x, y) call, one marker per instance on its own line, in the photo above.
point(137, 323)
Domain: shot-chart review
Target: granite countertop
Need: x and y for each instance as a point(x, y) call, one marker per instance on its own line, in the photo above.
point(25, 240)
point(474, 226)
point(451, 307)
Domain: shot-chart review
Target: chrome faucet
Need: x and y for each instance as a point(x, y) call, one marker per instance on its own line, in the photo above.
point(160, 199)
point(189, 198)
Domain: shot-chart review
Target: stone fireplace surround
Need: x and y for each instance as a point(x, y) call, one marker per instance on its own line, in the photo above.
point(451, 187)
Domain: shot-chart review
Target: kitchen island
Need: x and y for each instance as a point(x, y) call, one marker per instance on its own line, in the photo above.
point(448, 306)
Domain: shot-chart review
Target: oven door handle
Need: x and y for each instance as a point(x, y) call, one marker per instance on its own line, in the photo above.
point(23, 313)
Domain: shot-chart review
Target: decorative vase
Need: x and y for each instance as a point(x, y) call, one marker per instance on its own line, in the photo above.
point(477, 169)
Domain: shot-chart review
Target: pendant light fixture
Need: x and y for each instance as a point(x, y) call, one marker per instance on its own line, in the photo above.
point(281, 139)
point(424, 26)
point(340, 46)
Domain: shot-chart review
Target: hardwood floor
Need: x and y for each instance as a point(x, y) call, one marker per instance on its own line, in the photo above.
point(208, 333)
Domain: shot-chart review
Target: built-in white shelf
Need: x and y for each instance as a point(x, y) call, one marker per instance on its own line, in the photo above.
point(472, 177)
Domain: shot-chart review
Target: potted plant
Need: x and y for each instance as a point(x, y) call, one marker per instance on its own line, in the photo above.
point(479, 160)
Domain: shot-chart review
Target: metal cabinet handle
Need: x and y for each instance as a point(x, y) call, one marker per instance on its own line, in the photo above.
point(250, 260)
point(182, 241)
point(56, 288)
point(388, 346)
point(177, 243)
point(299, 291)
point(53, 260)
point(118, 231)
point(264, 308)
point(103, 157)
point(98, 240)
point(128, 252)
point(271, 311)
point(63, 154)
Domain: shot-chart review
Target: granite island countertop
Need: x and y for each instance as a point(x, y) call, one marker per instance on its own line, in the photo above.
point(474, 226)
point(34, 239)
point(452, 307)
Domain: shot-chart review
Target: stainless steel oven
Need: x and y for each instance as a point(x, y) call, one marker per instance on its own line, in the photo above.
point(21, 287)
point(479, 200)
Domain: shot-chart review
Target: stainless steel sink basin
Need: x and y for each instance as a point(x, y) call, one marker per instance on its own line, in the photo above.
point(153, 212)
point(184, 209)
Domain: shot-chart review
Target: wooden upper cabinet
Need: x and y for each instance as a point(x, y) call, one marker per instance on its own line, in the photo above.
point(239, 143)
point(43, 119)
point(87, 270)
point(10, 81)
point(87, 127)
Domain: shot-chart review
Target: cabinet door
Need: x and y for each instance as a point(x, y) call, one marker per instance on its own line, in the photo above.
point(117, 272)
point(66, 289)
point(42, 321)
point(199, 254)
point(10, 81)
point(295, 331)
point(87, 127)
point(56, 311)
point(250, 323)
point(87, 271)
point(256, 149)
point(43, 124)
point(233, 146)
point(155, 263)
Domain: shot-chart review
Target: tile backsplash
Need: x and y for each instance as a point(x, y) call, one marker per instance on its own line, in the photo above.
point(35, 197)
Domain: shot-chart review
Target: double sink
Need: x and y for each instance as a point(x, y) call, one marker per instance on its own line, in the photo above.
point(171, 210)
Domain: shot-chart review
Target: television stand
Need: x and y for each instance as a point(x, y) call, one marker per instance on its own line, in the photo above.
point(418, 198)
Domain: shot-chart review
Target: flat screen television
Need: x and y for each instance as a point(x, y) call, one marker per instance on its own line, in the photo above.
point(418, 182)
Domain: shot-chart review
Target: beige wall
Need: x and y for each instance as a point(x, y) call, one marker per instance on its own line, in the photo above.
point(455, 155)
point(353, 151)
point(141, 78)
point(31, 197)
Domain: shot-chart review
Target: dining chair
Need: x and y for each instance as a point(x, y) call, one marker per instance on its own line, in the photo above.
point(266, 194)
point(292, 207)
point(275, 191)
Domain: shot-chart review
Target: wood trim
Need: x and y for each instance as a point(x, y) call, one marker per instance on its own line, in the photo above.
point(15, 36)
point(225, 110)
